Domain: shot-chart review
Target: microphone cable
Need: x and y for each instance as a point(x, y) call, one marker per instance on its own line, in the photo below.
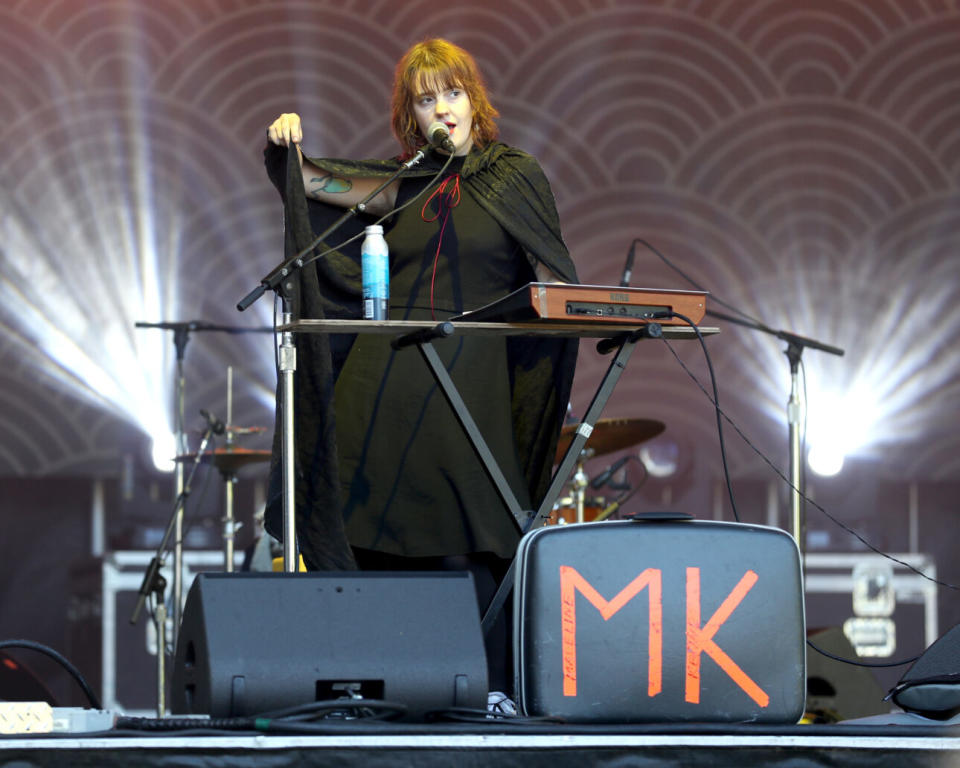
point(782, 476)
point(720, 412)
point(715, 399)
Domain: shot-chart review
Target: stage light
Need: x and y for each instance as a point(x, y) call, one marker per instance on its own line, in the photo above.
point(72, 292)
point(825, 460)
point(163, 450)
point(891, 386)
point(837, 426)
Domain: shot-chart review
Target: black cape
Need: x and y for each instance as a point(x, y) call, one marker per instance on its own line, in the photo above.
point(510, 185)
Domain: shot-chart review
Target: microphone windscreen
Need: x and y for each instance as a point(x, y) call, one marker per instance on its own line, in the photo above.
point(437, 132)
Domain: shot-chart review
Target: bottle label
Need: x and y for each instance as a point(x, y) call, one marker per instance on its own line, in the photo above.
point(376, 278)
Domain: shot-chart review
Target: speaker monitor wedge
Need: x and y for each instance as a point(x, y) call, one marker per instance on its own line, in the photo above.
point(250, 643)
point(931, 687)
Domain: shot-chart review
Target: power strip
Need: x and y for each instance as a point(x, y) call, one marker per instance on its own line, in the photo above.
point(39, 717)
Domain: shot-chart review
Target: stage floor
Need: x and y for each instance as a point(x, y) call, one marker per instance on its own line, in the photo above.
point(530, 746)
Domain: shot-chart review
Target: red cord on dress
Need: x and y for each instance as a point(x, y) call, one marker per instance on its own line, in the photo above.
point(447, 199)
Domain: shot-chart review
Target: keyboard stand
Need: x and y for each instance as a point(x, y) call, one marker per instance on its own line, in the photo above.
point(422, 334)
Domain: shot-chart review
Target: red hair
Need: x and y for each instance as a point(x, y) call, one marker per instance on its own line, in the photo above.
point(438, 65)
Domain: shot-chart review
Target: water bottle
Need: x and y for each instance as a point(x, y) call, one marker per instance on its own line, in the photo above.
point(375, 266)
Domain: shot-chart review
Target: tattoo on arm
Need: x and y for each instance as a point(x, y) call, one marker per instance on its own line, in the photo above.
point(330, 184)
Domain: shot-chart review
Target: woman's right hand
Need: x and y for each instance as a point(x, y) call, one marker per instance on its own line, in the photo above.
point(285, 130)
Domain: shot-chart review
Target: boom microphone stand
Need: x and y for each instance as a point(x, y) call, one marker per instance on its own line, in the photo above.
point(181, 335)
point(154, 582)
point(795, 346)
point(794, 351)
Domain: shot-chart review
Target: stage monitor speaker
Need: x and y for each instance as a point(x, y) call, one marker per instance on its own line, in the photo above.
point(660, 620)
point(251, 643)
point(931, 687)
point(837, 690)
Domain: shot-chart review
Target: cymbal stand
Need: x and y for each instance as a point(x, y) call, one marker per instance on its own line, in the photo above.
point(229, 479)
point(579, 482)
point(795, 407)
point(158, 587)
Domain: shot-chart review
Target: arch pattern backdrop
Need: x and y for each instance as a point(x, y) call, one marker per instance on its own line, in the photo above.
point(801, 161)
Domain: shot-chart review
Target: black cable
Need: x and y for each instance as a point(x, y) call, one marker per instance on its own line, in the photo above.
point(805, 498)
point(854, 662)
point(720, 413)
point(60, 659)
point(630, 492)
point(696, 285)
point(185, 723)
point(290, 719)
point(189, 522)
point(715, 400)
point(367, 709)
point(486, 717)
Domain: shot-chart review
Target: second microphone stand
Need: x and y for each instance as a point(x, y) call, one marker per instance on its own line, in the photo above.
point(154, 583)
point(794, 351)
point(279, 282)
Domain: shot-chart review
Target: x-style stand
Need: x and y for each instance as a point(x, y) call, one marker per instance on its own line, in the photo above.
point(423, 334)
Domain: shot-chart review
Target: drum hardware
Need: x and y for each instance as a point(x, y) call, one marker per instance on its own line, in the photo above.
point(580, 483)
point(565, 510)
point(229, 460)
point(609, 435)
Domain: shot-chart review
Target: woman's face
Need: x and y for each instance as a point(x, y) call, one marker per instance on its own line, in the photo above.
point(451, 106)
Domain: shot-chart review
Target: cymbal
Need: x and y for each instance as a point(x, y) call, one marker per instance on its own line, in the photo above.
point(245, 430)
point(229, 459)
point(611, 435)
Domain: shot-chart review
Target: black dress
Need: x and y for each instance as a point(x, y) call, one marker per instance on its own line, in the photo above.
point(412, 484)
point(380, 462)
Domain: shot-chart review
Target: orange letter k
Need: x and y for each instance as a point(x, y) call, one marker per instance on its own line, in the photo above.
point(700, 640)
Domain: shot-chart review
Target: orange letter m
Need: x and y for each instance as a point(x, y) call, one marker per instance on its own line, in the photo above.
point(570, 582)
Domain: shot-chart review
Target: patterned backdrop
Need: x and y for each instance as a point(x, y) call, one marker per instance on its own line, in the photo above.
point(799, 160)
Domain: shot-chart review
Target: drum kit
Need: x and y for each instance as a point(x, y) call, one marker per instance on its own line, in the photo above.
point(608, 436)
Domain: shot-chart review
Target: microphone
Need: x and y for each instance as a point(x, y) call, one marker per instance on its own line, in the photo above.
point(216, 426)
point(628, 267)
point(605, 476)
point(439, 136)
